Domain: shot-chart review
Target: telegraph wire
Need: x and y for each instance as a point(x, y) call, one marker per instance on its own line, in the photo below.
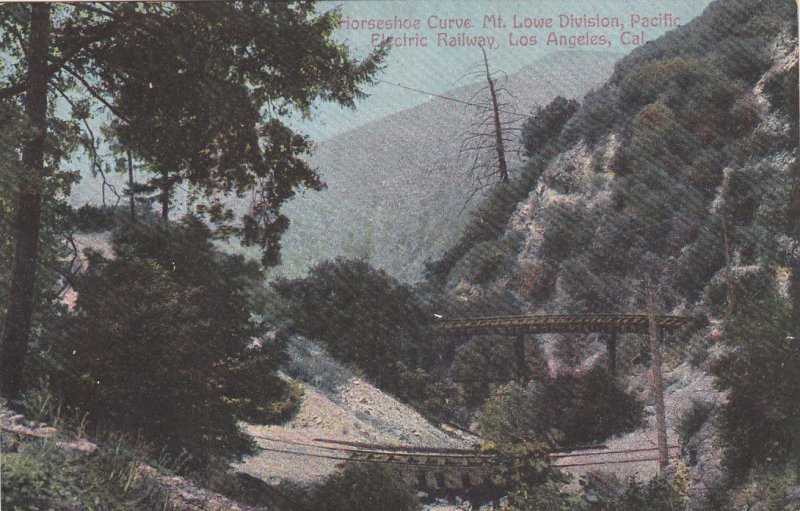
point(448, 98)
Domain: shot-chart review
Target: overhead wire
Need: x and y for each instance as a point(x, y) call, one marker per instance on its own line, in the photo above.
point(449, 98)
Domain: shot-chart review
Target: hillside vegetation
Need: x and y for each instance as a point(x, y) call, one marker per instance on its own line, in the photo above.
point(681, 170)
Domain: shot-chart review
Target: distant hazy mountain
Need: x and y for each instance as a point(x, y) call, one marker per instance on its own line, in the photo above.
point(395, 192)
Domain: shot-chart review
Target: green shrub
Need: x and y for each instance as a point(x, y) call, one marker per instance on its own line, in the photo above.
point(592, 406)
point(782, 89)
point(771, 486)
point(693, 419)
point(363, 487)
point(582, 408)
point(516, 431)
point(761, 418)
point(364, 316)
point(158, 343)
point(594, 118)
point(481, 363)
point(33, 481)
point(486, 262)
point(566, 228)
point(657, 494)
point(420, 389)
point(534, 280)
point(545, 125)
point(42, 476)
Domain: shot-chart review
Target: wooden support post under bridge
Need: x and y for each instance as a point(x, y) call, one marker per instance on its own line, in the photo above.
point(519, 355)
point(611, 351)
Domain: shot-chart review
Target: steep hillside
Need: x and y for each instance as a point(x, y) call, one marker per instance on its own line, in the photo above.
point(691, 132)
point(396, 193)
point(337, 405)
point(681, 171)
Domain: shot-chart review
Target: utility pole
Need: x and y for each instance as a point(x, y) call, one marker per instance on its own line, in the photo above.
point(657, 378)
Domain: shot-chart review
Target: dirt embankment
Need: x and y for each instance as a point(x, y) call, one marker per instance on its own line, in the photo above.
point(337, 405)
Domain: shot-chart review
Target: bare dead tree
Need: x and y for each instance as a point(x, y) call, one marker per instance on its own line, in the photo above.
point(487, 139)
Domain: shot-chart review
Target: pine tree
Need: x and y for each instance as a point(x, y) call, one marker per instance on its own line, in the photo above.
point(197, 92)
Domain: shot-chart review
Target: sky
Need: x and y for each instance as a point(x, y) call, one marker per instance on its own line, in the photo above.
point(438, 68)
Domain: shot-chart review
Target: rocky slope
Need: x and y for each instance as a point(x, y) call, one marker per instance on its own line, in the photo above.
point(673, 169)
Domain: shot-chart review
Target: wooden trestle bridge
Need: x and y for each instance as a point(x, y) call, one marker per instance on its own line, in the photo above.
point(611, 325)
point(442, 469)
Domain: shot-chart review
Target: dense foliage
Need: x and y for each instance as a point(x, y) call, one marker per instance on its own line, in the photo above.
point(368, 319)
point(578, 409)
point(43, 476)
point(160, 341)
point(761, 418)
point(363, 488)
point(547, 124)
point(55, 255)
point(195, 93)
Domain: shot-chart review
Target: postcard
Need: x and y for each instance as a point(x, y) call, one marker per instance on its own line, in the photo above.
point(395, 256)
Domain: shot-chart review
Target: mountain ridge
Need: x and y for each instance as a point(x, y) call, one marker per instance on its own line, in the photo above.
point(408, 162)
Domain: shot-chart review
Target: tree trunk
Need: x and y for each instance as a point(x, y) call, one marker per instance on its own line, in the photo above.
point(498, 127)
point(131, 193)
point(658, 381)
point(164, 197)
point(28, 213)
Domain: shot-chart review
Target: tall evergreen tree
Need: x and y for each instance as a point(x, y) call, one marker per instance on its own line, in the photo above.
point(197, 92)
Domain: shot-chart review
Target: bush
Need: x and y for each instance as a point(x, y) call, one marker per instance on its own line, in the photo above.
point(592, 406)
point(761, 419)
point(363, 487)
point(566, 228)
point(546, 124)
point(486, 262)
point(40, 475)
point(421, 390)
point(595, 118)
point(772, 486)
point(692, 421)
point(364, 316)
point(482, 363)
point(581, 408)
point(657, 494)
point(534, 279)
point(157, 343)
point(782, 89)
point(519, 434)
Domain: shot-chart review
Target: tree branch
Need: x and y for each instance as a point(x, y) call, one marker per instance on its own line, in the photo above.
point(102, 31)
point(95, 93)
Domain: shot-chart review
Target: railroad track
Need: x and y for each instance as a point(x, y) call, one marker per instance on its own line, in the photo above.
point(437, 457)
